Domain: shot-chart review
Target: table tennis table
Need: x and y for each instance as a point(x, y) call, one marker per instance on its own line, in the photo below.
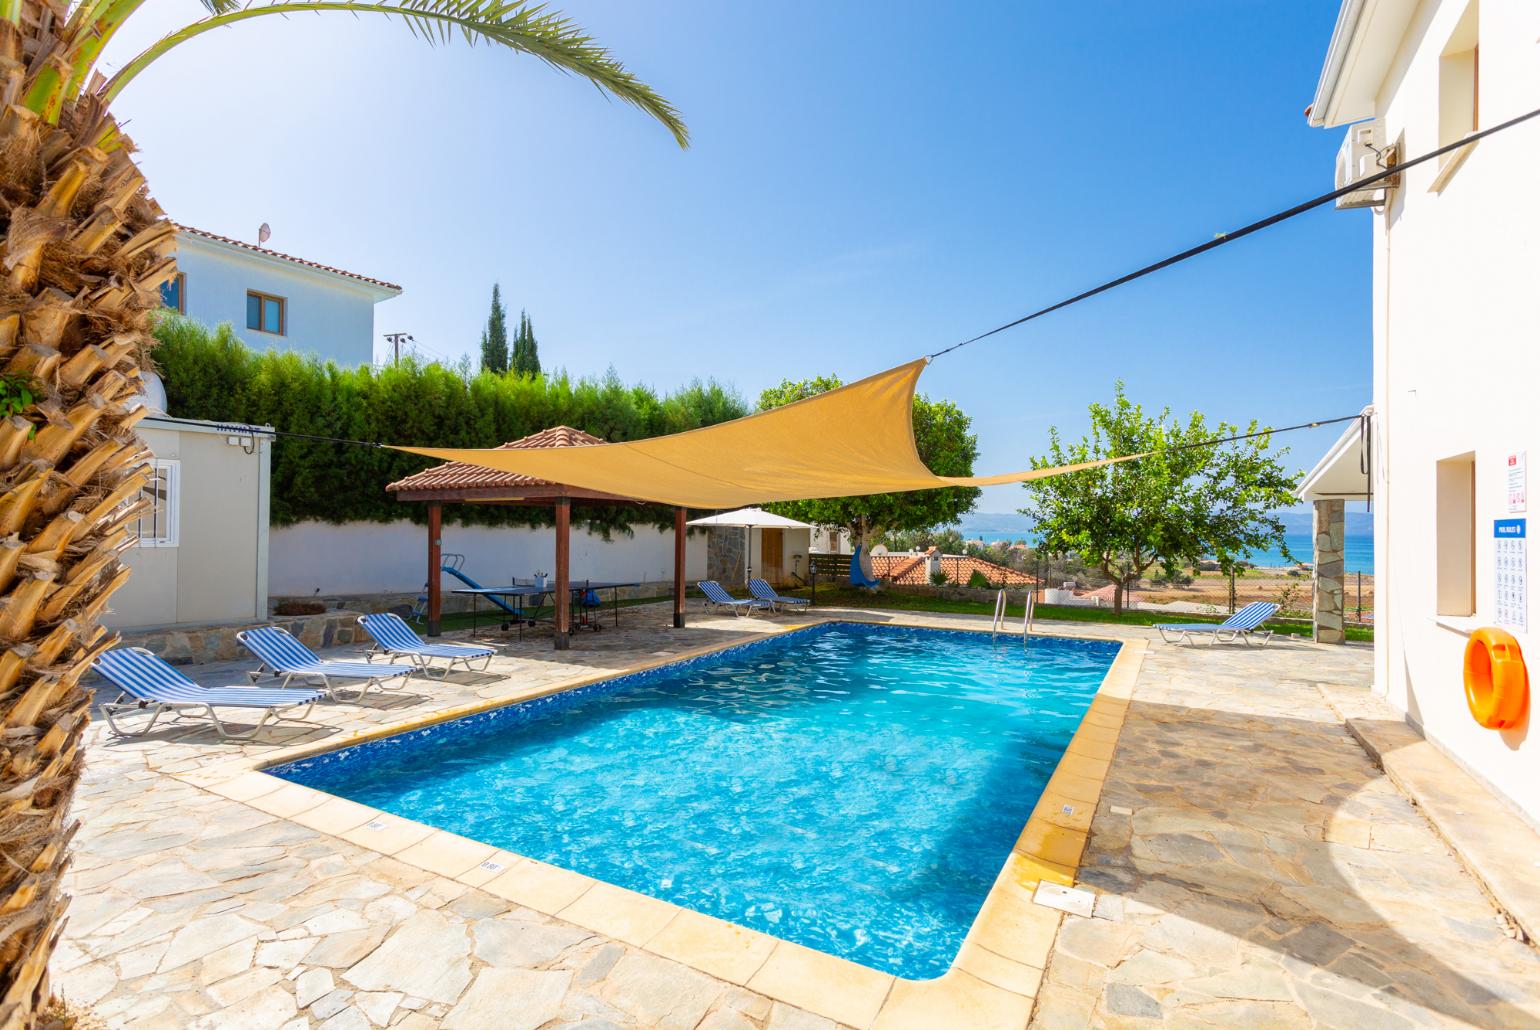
point(516, 595)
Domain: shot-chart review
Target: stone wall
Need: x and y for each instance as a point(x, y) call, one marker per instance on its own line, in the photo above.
point(185, 645)
point(724, 555)
point(1328, 532)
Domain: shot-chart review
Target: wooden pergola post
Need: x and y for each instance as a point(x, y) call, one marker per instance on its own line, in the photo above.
point(460, 483)
point(679, 548)
point(435, 560)
point(563, 579)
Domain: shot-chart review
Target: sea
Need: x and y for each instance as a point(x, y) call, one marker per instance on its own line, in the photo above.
point(1357, 541)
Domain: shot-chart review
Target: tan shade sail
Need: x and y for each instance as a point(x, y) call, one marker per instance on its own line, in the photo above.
point(856, 440)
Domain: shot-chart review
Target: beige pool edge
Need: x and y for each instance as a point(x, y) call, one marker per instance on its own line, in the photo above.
point(993, 981)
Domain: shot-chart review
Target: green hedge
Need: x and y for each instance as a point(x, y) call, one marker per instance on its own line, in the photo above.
point(211, 374)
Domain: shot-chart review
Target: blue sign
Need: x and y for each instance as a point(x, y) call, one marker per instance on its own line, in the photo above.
point(1509, 529)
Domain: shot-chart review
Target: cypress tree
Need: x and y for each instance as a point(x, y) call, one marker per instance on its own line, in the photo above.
point(494, 339)
point(526, 351)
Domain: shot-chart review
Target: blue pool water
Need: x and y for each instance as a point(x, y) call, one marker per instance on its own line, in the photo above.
point(855, 789)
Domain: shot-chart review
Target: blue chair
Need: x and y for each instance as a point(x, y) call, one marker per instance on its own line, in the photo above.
point(283, 656)
point(762, 590)
point(1242, 626)
point(859, 578)
point(393, 638)
point(149, 684)
point(716, 597)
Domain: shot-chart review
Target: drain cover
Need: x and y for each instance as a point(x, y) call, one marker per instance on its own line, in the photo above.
point(1066, 899)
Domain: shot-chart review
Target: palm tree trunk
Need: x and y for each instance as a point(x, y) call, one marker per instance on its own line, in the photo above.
point(83, 251)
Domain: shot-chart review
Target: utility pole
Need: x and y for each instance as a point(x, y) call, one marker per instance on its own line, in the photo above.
point(396, 340)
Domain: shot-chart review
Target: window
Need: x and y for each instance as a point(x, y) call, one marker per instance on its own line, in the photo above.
point(1459, 91)
point(157, 527)
point(266, 314)
point(1455, 519)
point(173, 294)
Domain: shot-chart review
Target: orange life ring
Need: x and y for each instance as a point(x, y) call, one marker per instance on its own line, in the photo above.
point(1496, 681)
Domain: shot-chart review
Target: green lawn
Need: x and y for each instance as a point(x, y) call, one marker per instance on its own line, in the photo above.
point(897, 601)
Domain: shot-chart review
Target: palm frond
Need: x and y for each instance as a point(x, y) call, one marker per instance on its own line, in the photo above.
point(519, 25)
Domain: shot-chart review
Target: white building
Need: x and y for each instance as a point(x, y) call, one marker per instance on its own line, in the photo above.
point(276, 301)
point(203, 549)
point(1456, 352)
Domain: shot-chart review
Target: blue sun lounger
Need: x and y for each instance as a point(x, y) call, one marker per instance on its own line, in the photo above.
point(284, 657)
point(778, 602)
point(149, 684)
point(1241, 626)
point(716, 597)
point(393, 638)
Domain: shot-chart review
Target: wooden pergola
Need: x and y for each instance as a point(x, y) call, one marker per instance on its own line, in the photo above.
point(458, 482)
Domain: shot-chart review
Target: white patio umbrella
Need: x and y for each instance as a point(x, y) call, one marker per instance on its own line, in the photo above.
point(750, 519)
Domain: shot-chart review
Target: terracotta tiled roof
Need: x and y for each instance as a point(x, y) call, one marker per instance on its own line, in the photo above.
point(458, 475)
point(912, 570)
point(286, 257)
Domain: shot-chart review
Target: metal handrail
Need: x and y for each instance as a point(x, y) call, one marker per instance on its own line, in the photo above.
point(1026, 616)
point(998, 623)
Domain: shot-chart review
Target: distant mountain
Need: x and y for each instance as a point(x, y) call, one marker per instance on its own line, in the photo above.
point(995, 522)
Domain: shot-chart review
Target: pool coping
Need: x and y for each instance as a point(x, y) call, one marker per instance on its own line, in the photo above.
point(993, 980)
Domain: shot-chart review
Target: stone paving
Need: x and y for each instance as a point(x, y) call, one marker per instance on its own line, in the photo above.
point(1254, 868)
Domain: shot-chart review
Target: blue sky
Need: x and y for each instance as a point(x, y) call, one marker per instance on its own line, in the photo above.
point(867, 183)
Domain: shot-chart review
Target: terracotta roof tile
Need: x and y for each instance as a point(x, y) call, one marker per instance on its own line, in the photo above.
point(459, 475)
point(286, 257)
point(911, 570)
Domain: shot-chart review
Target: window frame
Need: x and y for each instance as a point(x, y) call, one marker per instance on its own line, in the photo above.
point(181, 294)
point(262, 299)
point(1454, 536)
point(169, 471)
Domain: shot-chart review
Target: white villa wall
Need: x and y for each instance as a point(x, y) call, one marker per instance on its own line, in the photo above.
point(328, 315)
point(1457, 364)
point(392, 557)
point(217, 572)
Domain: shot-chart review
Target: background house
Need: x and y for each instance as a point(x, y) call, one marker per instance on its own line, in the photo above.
point(203, 550)
point(276, 301)
point(1455, 361)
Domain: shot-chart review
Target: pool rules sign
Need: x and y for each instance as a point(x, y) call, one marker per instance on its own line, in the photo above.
point(1509, 538)
point(1512, 563)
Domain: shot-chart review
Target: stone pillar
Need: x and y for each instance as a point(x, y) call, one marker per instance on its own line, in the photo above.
point(1329, 571)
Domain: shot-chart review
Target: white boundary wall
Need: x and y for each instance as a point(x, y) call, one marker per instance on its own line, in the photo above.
point(392, 557)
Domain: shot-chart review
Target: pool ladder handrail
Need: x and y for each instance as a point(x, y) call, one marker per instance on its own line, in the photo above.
point(998, 623)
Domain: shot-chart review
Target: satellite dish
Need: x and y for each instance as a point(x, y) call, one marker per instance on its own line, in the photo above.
point(264, 233)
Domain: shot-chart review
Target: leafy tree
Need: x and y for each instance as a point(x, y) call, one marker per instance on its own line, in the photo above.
point(946, 539)
point(1185, 500)
point(494, 338)
point(946, 447)
point(210, 373)
point(526, 352)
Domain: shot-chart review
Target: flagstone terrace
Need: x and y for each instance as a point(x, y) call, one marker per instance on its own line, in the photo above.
point(1252, 866)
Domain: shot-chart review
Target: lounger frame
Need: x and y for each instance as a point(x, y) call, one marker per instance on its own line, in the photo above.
point(421, 652)
point(127, 702)
point(1248, 629)
point(778, 602)
point(737, 606)
point(318, 669)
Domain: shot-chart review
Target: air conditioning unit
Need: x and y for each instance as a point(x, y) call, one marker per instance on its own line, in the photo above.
point(1363, 153)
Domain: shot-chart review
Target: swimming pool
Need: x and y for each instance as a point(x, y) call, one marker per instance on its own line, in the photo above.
point(852, 788)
